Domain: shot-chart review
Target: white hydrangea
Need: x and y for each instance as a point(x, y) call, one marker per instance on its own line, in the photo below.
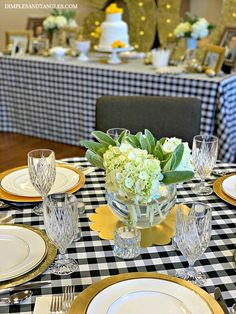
point(182, 28)
point(200, 29)
point(61, 21)
point(170, 145)
point(72, 24)
point(132, 173)
point(49, 23)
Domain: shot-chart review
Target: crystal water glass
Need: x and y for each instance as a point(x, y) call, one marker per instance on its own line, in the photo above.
point(116, 132)
point(61, 223)
point(193, 232)
point(204, 156)
point(42, 172)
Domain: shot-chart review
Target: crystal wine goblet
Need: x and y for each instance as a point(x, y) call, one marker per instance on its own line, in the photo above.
point(193, 232)
point(42, 172)
point(61, 221)
point(116, 132)
point(204, 155)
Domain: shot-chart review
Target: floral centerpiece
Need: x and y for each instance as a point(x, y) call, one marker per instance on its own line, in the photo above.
point(59, 22)
point(141, 173)
point(193, 28)
point(60, 19)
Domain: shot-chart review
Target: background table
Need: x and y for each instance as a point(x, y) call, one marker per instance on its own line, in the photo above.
point(96, 259)
point(56, 100)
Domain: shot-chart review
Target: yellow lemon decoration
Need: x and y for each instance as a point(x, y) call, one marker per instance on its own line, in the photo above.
point(118, 44)
point(113, 8)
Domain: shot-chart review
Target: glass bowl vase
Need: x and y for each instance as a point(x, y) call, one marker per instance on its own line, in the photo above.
point(150, 214)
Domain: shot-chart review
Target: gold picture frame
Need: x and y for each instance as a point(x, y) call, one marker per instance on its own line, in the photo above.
point(37, 46)
point(33, 23)
point(18, 38)
point(214, 57)
point(228, 41)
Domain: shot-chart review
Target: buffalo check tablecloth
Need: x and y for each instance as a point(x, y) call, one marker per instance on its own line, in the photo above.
point(56, 100)
point(96, 259)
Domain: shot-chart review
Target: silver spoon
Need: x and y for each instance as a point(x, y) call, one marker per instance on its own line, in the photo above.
point(17, 298)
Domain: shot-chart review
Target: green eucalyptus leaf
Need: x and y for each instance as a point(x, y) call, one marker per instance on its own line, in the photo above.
point(133, 141)
point(177, 156)
point(144, 143)
point(121, 136)
point(158, 151)
point(171, 177)
point(103, 138)
point(162, 140)
point(94, 159)
point(166, 163)
point(138, 136)
point(151, 140)
point(94, 146)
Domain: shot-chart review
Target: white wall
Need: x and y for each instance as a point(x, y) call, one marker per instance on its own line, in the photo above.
point(210, 9)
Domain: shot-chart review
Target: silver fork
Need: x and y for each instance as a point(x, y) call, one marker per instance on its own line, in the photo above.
point(68, 297)
point(56, 304)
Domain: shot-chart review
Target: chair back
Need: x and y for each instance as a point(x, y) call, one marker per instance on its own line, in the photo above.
point(163, 116)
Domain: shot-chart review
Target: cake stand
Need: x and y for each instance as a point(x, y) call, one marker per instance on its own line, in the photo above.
point(114, 57)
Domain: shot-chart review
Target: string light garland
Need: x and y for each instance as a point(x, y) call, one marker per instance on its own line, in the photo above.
point(143, 21)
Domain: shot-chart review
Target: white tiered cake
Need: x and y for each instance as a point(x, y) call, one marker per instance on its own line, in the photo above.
point(113, 29)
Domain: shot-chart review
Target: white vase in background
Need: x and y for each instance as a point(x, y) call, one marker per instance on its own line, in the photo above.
point(83, 48)
point(160, 57)
point(58, 52)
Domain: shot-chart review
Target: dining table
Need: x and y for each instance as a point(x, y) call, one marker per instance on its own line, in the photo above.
point(96, 258)
point(56, 100)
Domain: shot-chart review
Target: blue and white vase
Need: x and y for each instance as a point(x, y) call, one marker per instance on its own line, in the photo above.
point(191, 43)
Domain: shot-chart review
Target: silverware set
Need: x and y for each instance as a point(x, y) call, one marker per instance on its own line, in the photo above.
point(62, 303)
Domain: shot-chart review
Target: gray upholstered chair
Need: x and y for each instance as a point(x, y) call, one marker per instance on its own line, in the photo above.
point(163, 116)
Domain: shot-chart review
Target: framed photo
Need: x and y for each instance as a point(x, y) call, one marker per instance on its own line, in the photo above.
point(38, 45)
point(19, 40)
point(35, 24)
point(228, 41)
point(71, 36)
point(214, 57)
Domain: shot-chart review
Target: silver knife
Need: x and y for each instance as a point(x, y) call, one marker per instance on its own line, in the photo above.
point(26, 286)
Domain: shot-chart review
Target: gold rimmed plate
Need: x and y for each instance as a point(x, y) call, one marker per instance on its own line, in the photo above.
point(39, 269)
point(115, 294)
point(16, 198)
point(217, 188)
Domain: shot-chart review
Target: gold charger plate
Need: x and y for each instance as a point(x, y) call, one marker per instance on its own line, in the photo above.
point(217, 188)
point(47, 261)
point(82, 301)
point(15, 198)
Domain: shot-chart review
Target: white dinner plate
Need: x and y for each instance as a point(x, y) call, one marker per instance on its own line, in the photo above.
point(18, 182)
point(229, 186)
point(147, 294)
point(132, 302)
point(21, 251)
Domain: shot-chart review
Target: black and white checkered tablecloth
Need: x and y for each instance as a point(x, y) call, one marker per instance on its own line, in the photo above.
point(96, 259)
point(56, 101)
